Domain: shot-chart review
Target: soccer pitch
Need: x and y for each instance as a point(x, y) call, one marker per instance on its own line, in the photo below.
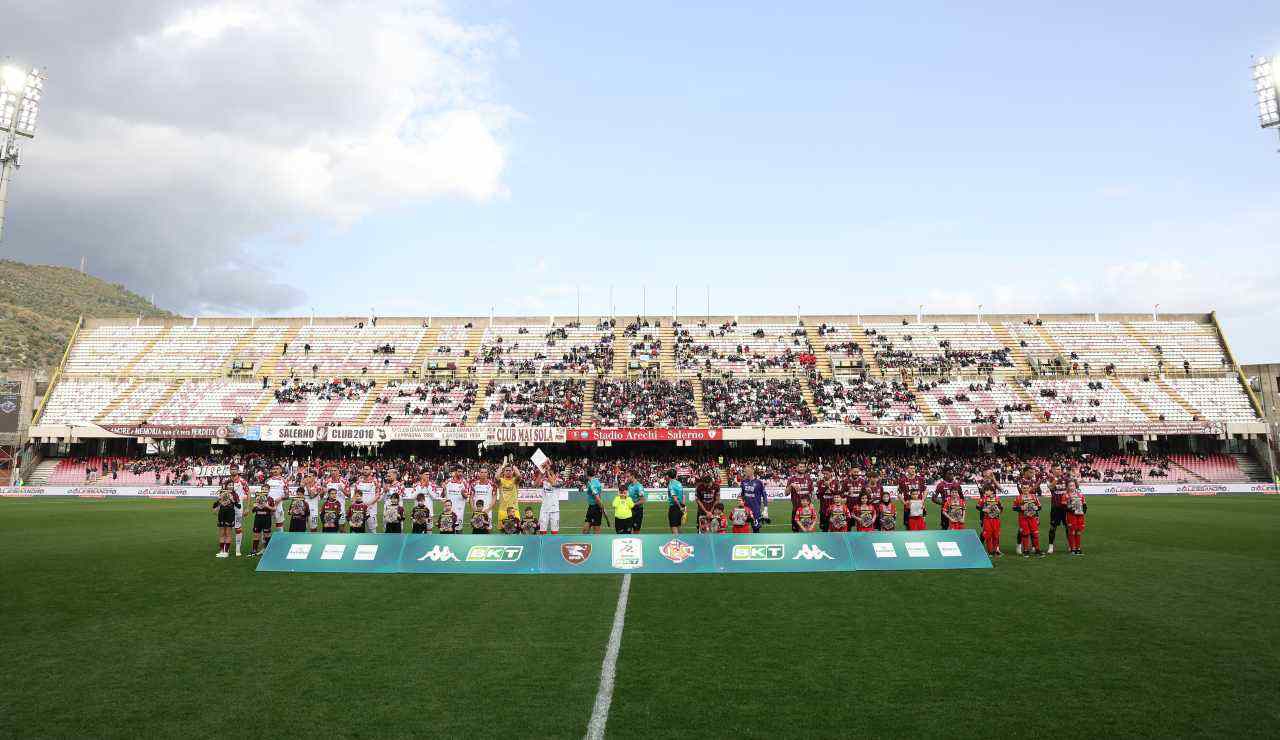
point(119, 621)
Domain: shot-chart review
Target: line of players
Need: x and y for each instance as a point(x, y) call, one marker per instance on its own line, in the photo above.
point(860, 503)
point(828, 504)
point(308, 502)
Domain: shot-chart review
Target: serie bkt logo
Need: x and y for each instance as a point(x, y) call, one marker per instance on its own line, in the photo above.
point(495, 553)
point(759, 552)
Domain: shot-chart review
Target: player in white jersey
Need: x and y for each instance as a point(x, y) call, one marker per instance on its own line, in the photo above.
point(314, 495)
point(549, 512)
point(276, 492)
point(241, 488)
point(336, 484)
point(482, 498)
point(427, 491)
point(370, 493)
point(455, 492)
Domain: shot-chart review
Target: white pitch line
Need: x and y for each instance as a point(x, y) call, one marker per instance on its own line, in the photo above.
point(609, 669)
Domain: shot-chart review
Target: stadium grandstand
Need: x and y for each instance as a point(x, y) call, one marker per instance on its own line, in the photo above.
point(1121, 382)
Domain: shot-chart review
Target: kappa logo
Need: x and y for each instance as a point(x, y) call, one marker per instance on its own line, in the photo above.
point(677, 551)
point(628, 553)
point(575, 553)
point(811, 552)
point(495, 553)
point(759, 552)
point(439, 554)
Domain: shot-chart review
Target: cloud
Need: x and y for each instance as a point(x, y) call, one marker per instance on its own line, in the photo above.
point(183, 144)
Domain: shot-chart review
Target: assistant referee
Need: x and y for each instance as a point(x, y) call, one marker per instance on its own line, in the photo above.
point(675, 502)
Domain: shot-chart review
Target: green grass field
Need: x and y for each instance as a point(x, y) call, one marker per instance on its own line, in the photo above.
point(120, 622)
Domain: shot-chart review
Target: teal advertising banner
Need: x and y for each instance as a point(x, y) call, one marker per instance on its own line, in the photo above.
point(614, 553)
point(921, 550)
point(470, 553)
point(301, 552)
point(645, 553)
point(782, 553)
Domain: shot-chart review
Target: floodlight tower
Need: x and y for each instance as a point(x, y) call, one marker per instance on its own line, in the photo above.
point(20, 90)
point(1266, 84)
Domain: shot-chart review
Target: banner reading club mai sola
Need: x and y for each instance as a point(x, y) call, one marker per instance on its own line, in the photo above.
point(644, 435)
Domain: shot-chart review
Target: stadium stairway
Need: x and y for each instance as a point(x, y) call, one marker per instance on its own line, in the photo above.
point(1050, 341)
point(823, 364)
point(668, 368)
point(621, 357)
point(169, 393)
point(269, 366)
point(1171, 392)
point(1029, 399)
point(806, 392)
point(473, 413)
point(430, 339)
point(238, 351)
point(44, 469)
point(119, 399)
point(1250, 467)
point(146, 349)
point(1138, 337)
point(366, 408)
point(703, 420)
point(1191, 473)
point(589, 403)
point(1136, 401)
point(1021, 365)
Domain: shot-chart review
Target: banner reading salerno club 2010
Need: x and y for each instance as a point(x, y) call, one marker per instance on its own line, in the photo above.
point(646, 553)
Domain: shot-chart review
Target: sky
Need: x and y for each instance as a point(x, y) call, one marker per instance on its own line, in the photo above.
point(438, 158)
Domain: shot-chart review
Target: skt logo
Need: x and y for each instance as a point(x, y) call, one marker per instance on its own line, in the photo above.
point(759, 552)
point(495, 553)
point(439, 554)
point(811, 552)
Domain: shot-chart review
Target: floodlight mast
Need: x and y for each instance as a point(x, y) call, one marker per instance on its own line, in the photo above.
point(1266, 86)
point(20, 90)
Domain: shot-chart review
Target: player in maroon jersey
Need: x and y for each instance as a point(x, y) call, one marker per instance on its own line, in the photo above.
point(800, 487)
point(1057, 481)
point(706, 494)
point(945, 495)
point(911, 490)
point(852, 485)
point(226, 506)
point(828, 490)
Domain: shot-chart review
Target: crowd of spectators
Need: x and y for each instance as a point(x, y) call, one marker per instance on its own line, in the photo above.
point(611, 465)
point(429, 398)
point(845, 401)
point(645, 403)
point(293, 390)
point(773, 402)
point(546, 403)
point(782, 352)
point(548, 355)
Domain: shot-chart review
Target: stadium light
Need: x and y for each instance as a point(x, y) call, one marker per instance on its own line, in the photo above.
point(1266, 85)
point(20, 91)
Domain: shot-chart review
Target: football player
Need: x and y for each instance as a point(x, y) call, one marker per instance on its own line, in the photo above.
point(549, 511)
point(911, 490)
point(943, 494)
point(800, 488)
point(508, 488)
point(1057, 482)
point(482, 498)
point(371, 492)
point(455, 492)
point(754, 496)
